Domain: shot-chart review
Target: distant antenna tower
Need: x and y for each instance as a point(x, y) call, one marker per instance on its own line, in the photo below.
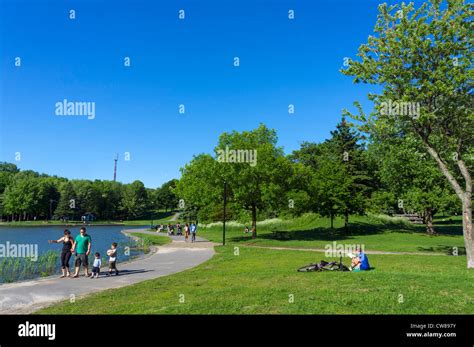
point(115, 167)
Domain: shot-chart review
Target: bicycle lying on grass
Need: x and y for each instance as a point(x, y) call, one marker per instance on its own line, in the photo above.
point(325, 266)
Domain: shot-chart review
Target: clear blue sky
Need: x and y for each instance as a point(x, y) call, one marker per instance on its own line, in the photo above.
point(174, 62)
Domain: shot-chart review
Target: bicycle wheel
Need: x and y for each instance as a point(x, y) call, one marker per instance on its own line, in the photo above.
point(308, 268)
point(331, 266)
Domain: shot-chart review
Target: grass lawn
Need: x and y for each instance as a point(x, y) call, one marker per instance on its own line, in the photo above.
point(374, 232)
point(260, 281)
point(159, 217)
point(156, 240)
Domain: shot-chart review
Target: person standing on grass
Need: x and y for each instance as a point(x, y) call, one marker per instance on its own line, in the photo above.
point(67, 241)
point(193, 232)
point(82, 247)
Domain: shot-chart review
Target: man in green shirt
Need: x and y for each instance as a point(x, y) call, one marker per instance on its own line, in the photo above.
point(82, 246)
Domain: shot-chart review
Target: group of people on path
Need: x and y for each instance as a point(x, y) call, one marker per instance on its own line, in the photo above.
point(189, 230)
point(81, 247)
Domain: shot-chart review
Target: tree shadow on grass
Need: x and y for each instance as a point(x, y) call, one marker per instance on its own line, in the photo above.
point(444, 230)
point(322, 234)
point(448, 250)
point(448, 230)
point(357, 228)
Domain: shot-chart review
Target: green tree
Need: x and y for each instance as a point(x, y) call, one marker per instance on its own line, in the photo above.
point(7, 171)
point(307, 154)
point(165, 196)
point(109, 199)
point(422, 59)
point(46, 197)
point(66, 206)
point(88, 197)
point(331, 185)
point(299, 190)
point(29, 195)
point(200, 188)
point(258, 177)
point(347, 144)
point(134, 200)
point(19, 196)
point(344, 151)
point(411, 175)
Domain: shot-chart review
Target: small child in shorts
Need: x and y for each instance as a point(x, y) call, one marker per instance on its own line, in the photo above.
point(112, 253)
point(96, 266)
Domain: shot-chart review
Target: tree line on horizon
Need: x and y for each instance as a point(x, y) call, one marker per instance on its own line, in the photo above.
point(27, 196)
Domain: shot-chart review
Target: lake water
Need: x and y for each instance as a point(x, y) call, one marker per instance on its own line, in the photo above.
point(37, 238)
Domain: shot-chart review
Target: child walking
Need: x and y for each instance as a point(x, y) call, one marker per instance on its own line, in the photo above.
point(112, 253)
point(96, 266)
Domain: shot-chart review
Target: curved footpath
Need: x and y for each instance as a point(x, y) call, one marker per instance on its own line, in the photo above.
point(29, 296)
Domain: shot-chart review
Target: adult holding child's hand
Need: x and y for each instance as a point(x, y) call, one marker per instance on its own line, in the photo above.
point(82, 246)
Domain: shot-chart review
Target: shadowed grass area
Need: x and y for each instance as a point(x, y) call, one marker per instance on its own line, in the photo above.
point(263, 281)
point(380, 233)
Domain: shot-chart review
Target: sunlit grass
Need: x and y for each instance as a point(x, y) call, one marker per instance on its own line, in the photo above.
point(263, 281)
point(146, 240)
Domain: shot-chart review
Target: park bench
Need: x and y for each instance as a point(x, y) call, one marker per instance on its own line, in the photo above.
point(412, 217)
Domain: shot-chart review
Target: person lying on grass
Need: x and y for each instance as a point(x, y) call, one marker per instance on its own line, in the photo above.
point(360, 261)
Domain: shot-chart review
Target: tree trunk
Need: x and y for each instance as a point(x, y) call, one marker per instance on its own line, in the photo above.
point(428, 219)
point(467, 215)
point(467, 230)
point(346, 221)
point(465, 197)
point(254, 221)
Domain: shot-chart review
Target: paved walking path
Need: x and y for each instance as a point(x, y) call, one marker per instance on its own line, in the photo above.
point(26, 297)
